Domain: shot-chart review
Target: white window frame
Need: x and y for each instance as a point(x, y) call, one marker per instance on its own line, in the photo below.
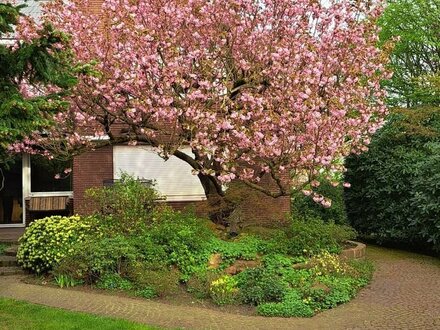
point(27, 192)
point(27, 189)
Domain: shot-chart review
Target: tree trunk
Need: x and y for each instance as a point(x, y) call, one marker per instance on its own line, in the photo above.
point(218, 207)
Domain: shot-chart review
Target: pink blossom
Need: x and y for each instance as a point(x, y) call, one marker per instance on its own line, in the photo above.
point(306, 192)
point(232, 79)
point(326, 203)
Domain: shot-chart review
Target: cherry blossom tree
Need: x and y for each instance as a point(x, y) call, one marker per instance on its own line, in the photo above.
point(256, 88)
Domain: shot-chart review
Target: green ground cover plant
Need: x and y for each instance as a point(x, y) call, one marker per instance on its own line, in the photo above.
point(291, 271)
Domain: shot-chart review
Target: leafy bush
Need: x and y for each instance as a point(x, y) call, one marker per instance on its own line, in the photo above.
point(163, 282)
point(243, 247)
point(258, 285)
point(395, 185)
point(338, 290)
point(114, 282)
point(48, 241)
point(146, 293)
point(308, 237)
point(292, 305)
point(303, 207)
point(224, 290)
point(95, 258)
point(184, 238)
point(200, 282)
point(126, 205)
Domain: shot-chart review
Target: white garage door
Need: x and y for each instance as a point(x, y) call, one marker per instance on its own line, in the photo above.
point(173, 177)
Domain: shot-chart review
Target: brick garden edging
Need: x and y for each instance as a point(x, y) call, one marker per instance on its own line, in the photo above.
point(356, 252)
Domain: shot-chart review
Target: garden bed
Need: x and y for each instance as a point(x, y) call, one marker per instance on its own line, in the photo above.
point(157, 253)
point(181, 297)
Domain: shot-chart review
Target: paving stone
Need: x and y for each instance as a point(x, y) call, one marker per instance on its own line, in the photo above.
point(7, 261)
point(6, 271)
point(11, 250)
point(404, 294)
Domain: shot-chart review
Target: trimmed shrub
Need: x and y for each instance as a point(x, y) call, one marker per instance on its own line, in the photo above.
point(395, 187)
point(48, 241)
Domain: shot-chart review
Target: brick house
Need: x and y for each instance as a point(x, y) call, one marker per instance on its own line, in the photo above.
point(31, 190)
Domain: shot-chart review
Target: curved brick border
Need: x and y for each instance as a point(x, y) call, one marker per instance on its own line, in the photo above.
point(356, 252)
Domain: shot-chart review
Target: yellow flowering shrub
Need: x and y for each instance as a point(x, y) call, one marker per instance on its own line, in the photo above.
point(224, 290)
point(326, 263)
point(47, 241)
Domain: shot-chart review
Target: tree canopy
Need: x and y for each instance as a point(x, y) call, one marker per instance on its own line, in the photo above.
point(255, 88)
point(34, 74)
point(415, 25)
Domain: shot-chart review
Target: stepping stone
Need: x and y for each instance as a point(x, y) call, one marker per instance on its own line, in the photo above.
point(8, 261)
point(11, 251)
point(5, 271)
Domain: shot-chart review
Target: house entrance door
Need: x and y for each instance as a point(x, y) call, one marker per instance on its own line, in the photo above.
point(11, 195)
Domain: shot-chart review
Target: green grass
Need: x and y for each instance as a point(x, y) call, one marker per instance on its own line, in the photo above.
point(18, 315)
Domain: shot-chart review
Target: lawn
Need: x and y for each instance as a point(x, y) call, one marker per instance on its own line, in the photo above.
point(18, 315)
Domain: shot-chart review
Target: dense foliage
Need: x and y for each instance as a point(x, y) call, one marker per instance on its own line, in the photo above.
point(254, 87)
point(304, 207)
point(395, 188)
point(47, 241)
point(414, 25)
point(124, 205)
point(283, 272)
point(34, 75)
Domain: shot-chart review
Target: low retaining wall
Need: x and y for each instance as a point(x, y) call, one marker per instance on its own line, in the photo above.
point(355, 252)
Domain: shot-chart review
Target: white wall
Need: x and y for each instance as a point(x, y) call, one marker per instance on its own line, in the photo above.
point(173, 177)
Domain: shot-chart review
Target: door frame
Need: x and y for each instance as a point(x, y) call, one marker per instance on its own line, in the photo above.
point(25, 178)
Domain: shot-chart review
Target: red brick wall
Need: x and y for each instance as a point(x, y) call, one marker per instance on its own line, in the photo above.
point(266, 212)
point(90, 169)
point(257, 209)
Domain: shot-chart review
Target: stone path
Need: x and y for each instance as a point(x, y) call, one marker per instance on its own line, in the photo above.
point(405, 294)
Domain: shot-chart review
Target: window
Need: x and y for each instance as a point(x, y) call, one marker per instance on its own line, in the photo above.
point(50, 175)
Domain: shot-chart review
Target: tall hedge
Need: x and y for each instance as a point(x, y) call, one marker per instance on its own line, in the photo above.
point(395, 186)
